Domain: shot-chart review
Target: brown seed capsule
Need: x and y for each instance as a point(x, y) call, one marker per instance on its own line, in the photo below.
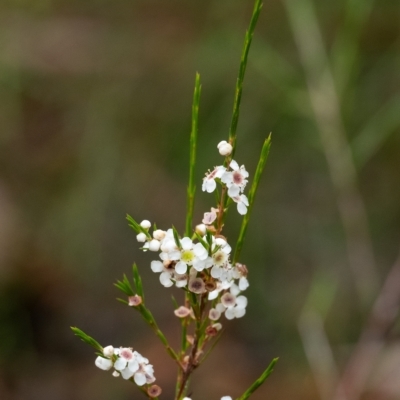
point(242, 269)
point(210, 286)
point(154, 391)
point(211, 331)
point(182, 312)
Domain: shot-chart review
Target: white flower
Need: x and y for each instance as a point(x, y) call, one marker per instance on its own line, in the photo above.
point(235, 180)
point(226, 398)
point(209, 217)
point(145, 224)
point(239, 310)
point(209, 183)
point(224, 148)
point(126, 363)
point(103, 363)
point(242, 203)
point(141, 237)
point(214, 314)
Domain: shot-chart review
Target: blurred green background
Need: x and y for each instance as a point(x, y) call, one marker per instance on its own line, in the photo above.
point(95, 107)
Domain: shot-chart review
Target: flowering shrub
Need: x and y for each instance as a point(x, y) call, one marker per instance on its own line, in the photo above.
point(201, 263)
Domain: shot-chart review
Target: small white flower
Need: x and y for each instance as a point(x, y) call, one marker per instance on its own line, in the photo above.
point(103, 363)
point(236, 179)
point(224, 148)
point(209, 183)
point(141, 237)
point(165, 279)
point(209, 217)
point(214, 314)
point(243, 283)
point(226, 398)
point(145, 224)
point(116, 374)
point(197, 286)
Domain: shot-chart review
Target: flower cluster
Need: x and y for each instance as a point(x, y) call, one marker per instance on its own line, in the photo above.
point(234, 178)
point(127, 363)
point(202, 267)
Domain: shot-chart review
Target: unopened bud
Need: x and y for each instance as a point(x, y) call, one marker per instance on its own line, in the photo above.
point(159, 234)
point(154, 245)
point(108, 351)
point(201, 229)
point(224, 148)
point(141, 237)
point(145, 224)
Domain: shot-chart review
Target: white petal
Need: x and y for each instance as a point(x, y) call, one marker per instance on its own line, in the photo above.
point(141, 237)
point(227, 249)
point(230, 313)
point(220, 242)
point(213, 295)
point(174, 255)
point(199, 265)
point(226, 398)
point(239, 312)
point(126, 373)
point(186, 243)
point(233, 191)
point(180, 267)
point(108, 351)
point(243, 283)
point(235, 289)
point(133, 366)
point(234, 165)
point(244, 199)
point(222, 143)
point(200, 251)
point(241, 302)
point(181, 283)
point(216, 271)
point(103, 363)
point(220, 307)
point(165, 279)
point(140, 378)
point(120, 364)
point(210, 185)
point(227, 178)
point(157, 266)
point(242, 209)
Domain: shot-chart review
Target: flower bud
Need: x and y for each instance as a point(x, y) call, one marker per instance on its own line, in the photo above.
point(141, 237)
point(159, 234)
point(145, 224)
point(154, 245)
point(224, 148)
point(108, 351)
point(201, 229)
point(103, 363)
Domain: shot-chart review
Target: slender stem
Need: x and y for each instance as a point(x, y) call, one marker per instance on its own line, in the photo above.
point(193, 144)
point(148, 317)
point(239, 82)
point(252, 194)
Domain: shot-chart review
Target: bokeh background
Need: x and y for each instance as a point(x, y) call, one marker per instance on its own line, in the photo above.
point(95, 106)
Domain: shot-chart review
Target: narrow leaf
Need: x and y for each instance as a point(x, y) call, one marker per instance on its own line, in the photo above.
point(259, 381)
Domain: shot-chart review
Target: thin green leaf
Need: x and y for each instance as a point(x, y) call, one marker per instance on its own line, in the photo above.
point(259, 381)
point(193, 144)
point(176, 237)
point(136, 227)
point(137, 280)
point(252, 194)
point(201, 240)
point(239, 82)
point(87, 339)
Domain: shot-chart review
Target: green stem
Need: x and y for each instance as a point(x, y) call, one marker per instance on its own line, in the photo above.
point(252, 194)
point(259, 381)
point(193, 144)
point(148, 317)
point(239, 82)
